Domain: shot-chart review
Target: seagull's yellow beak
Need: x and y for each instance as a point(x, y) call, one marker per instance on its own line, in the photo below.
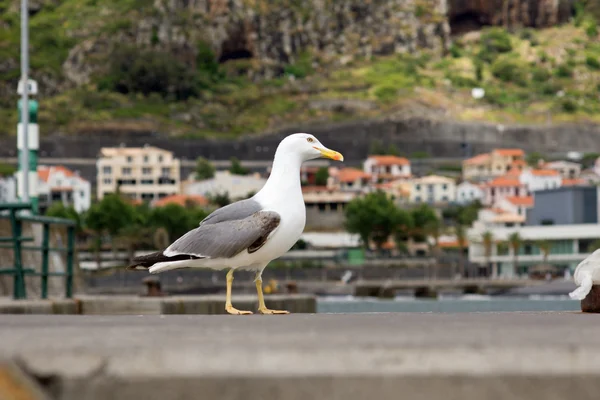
point(334, 155)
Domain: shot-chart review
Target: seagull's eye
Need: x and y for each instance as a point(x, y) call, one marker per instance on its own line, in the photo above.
point(310, 140)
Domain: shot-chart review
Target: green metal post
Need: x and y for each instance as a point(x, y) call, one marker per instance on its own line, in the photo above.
point(45, 256)
point(19, 278)
point(70, 251)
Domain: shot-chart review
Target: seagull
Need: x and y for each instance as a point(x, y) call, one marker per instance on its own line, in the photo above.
point(248, 234)
point(586, 275)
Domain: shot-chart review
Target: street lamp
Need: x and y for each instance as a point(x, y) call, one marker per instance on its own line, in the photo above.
point(27, 128)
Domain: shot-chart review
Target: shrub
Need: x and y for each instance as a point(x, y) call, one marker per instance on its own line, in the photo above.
point(540, 74)
point(134, 70)
point(508, 70)
point(592, 29)
point(549, 88)
point(301, 68)
point(592, 62)
point(494, 41)
point(568, 106)
point(386, 93)
point(455, 51)
point(564, 71)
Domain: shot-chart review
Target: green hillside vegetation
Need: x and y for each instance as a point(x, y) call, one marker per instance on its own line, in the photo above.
point(529, 76)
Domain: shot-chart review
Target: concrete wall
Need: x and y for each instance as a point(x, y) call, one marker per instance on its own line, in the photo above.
point(563, 206)
point(324, 220)
point(438, 138)
point(33, 259)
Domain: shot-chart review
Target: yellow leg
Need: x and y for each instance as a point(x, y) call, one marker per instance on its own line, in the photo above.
point(262, 308)
point(228, 307)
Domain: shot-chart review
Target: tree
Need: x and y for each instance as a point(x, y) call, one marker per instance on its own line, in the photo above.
point(109, 216)
point(461, 238)
point(204, 169)
point(422, 217)
point(176, 219)
point(545, 246)
point(220, 199)
point(488, 244)
point(59, 210)
point(515, 241)
point(237, 168)
point(321, 176)
point(534, 158)
point(7, 170)
point(433, 229)
point(374, 217)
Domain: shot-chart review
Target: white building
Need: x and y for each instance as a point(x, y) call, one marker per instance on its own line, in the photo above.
point(141, 173)
point(236, 186)
point(433, 189)
point(57, 183)
point(8, 189)
point(467, 192)
point(570, 244)
point(540, 179)
point(384, 168)
point(516, 205)
point(566, 169)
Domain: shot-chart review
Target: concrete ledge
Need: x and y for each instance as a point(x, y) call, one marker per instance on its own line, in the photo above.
point(39, 307)
point(135, 305)
point(522, 356)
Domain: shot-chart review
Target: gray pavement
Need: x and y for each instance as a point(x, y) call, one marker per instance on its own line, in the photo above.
point(334, 356)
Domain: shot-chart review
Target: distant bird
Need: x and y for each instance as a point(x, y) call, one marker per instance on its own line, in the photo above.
point(248, 234)
point(586, 275)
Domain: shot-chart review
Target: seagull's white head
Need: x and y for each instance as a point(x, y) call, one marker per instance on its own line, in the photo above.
point(308, 147)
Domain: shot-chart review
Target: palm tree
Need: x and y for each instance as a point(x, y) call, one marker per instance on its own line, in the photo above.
point(544, 246)
point(488, 242)
point(515, 241)
point(461, 238)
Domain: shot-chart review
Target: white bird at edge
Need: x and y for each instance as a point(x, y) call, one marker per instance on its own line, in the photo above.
point(586, 275)
point(250, 233)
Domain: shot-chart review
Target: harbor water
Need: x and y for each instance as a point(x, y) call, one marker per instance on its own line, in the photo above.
point(450, 304)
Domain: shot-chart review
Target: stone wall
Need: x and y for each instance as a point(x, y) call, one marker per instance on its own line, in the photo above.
point(33, 259)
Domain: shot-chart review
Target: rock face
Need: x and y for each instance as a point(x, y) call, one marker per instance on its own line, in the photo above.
point(466, 15)
point(273, 34)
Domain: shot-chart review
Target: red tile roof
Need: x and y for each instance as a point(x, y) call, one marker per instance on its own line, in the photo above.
point(311, 189)
point(479, 159)
point(544, 172)
point(503, 181)
point(510, 152)
point(182, 199)
point(390, 160)
point(526, 201)
point(573, 182)
point(351, 175)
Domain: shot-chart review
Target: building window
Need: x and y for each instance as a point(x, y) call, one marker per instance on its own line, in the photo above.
point(417, 187)
point(321, 207)
point(160, 159)
point(107, 170)
point(418, 199)
point(146, 159)
point(107, 181)
point(126, 171)
point(444, 187)
point(430, 188)
point(166, 171)
point(147, 181)
point(444, 198)
point(129, 159)
point(146, 171)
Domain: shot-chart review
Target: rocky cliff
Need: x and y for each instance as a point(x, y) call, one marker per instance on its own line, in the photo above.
point(268, 34)
point(272, 34)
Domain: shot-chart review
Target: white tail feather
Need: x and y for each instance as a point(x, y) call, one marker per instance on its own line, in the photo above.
point(168, 266)
point(583, 289)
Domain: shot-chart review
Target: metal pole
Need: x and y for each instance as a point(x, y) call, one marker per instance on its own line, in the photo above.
point(25, 96)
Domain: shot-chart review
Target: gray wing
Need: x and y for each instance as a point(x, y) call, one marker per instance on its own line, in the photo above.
point(234, 211)
point(227, 238)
